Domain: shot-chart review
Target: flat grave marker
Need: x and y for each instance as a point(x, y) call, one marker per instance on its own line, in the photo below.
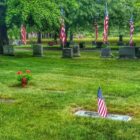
point(83, 113)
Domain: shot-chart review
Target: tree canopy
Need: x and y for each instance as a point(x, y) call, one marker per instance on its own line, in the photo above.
point(44, 15)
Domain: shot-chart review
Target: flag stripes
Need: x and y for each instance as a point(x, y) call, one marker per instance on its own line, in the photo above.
point(131, 31)
point(23, 34)
point(106, 22)
point(62, 34)
point(102, 109)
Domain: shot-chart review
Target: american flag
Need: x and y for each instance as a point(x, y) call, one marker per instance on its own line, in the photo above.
point(102, 109)
point(106, 21)
point(23, 34)
point(96, 32)
point(63, 34)
point(131, 31)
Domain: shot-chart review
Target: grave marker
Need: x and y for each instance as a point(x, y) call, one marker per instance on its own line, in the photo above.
point(127, 52)
point(8, 50)
point(67, 53)
point(106, 52)
point(83, 113)
point(76, 51)
point(37, 50)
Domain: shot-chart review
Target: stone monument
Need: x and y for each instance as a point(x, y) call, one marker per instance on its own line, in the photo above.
point(127, 52)
point(76, 51)
point(8, 50)
point(37, 50)
point(67, 52)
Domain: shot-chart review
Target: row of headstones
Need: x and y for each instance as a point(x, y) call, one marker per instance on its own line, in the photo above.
point(10, 50)
point(38, 51)
point(124, 52)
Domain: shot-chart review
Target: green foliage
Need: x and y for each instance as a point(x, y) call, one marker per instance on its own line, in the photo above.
point(41, 15)
point(21, 75)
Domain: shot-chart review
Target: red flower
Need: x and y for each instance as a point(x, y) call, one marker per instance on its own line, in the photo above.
point(28, 71)
point(19, 72)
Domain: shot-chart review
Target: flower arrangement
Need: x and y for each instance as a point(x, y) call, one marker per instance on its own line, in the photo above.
point(24, 77)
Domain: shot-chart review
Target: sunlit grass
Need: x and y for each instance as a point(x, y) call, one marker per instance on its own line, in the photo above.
point(44, 110)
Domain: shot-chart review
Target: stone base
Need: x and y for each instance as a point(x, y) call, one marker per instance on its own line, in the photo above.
point(8, 50)
point(37, 50)
point(127, 52)
point(106, 52)
point(67, 53)
point(76, 51)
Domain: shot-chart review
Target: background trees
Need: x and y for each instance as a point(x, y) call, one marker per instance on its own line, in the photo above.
point(79, 15)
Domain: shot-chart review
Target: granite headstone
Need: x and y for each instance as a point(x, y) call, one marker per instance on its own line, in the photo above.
point(67, 52)
point(8, 50)
point(106, 52)
point(76, 51)
point(37, 50)
point(127, 52)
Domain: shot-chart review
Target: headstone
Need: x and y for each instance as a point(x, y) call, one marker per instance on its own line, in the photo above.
point(76, 51)
point(127, 52)
point(67, 52)
point(83, 113)
point(99, 44)
point(37, 50)
point(8, 50)
point(120, 43)
point(7, 100)
point(106, 52)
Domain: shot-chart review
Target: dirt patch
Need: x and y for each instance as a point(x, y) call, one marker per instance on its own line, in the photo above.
point(7, 100)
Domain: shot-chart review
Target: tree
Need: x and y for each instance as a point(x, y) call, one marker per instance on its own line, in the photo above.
point(3, 27)
point(40, 15)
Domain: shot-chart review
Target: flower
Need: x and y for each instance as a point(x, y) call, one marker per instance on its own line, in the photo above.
point(24, 78)
point(19, 72)
point(28, 71)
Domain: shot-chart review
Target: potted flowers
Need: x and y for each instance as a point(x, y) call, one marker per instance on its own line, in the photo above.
point(24, 77)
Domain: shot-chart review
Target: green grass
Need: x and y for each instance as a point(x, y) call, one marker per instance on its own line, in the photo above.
point(44, 110)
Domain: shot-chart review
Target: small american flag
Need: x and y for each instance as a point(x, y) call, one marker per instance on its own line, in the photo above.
point(102, 109)
point(23, 34)
point(106, 21)
point(63, 34)
point(131, 31)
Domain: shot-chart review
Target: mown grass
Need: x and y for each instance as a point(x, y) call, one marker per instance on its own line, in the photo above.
point(44, 110)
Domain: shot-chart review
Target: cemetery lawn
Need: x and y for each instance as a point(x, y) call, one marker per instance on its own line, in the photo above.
point(44, 109)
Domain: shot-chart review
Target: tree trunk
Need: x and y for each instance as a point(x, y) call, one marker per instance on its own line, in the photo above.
point(39, 38)
point(71, 37)
point(3, 29)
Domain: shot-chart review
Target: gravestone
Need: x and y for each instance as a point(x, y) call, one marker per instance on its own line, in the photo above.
point(37, 50)
point(67, 52)
point(106, 52)
point(99, 44)
point(127, 52)
point(76, 51)
point(8, 50)
point(120, 43)
point(115, 117)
